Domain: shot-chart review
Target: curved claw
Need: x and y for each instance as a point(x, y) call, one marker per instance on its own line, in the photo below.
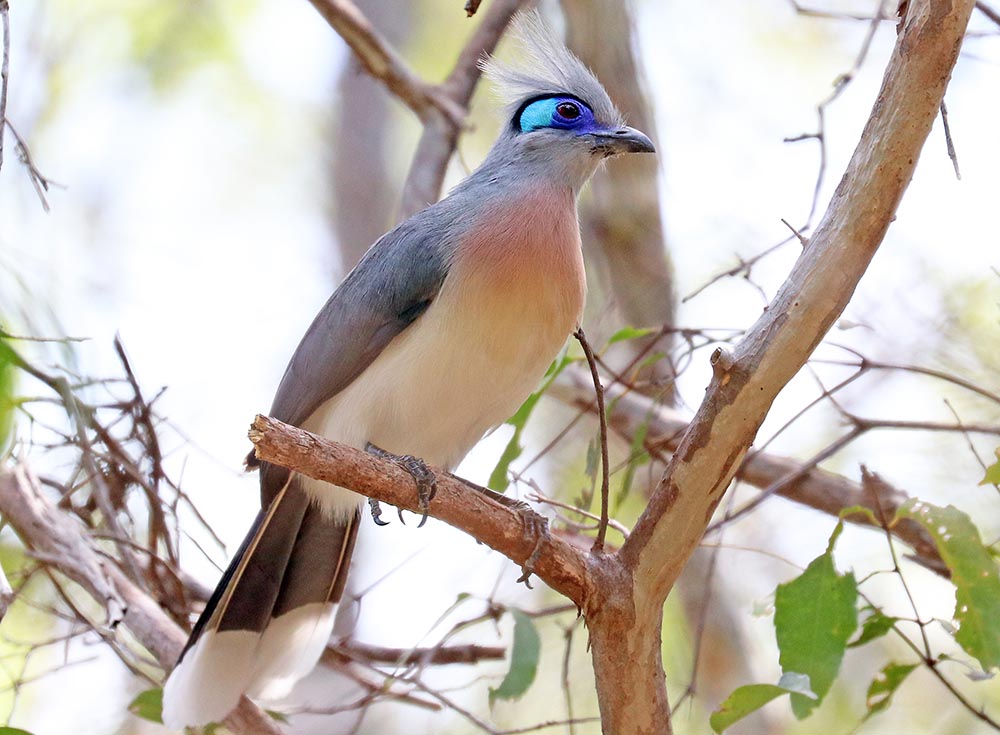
point(423, 478)
point(376, 510)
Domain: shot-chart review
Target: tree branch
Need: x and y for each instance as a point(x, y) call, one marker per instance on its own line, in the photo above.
point(791, 479)
point(456, 654)
point(63, 544)
point(441, 108)
point(816, 292)
point(625, 632)
point(381, 61)
point(438, 140)
point(558, 564)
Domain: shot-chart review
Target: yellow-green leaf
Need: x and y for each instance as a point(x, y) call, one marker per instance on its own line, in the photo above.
point(6, 391)
point(498, 478)
point(884, 685)
point(973, 572)
point(875, 626)
point(148, 705)
point(752, 697)
point(814, 617)
point(992, 476)
point(524, 656)
point(630, 333)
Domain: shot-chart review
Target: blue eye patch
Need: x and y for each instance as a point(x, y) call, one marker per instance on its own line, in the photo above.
point(562, 112)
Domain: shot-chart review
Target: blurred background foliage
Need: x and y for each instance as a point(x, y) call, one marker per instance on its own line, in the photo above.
point(217, 166)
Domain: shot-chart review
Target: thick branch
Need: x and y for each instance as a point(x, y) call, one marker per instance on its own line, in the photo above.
point(560, 565)
point(813, 297)
point(64, 545)
point(746, 383)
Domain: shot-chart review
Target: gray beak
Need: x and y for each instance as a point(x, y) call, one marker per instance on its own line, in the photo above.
point(623, 140)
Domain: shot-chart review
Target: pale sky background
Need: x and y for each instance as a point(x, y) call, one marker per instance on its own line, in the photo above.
point(193, 222)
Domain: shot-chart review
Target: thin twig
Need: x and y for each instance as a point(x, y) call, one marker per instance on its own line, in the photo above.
point(4, 70)
point(40, 181)
point(989, 12)
point(948, 140)
point(602, 527)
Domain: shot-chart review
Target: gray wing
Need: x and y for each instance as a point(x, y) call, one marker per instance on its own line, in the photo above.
point(386, 292)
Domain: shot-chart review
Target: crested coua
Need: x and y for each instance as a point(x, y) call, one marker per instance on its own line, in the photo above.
point(440, 332)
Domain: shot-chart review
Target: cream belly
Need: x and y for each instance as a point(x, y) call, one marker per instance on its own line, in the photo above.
point(501, 317)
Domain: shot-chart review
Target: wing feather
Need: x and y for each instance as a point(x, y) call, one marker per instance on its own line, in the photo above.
point(386, 292)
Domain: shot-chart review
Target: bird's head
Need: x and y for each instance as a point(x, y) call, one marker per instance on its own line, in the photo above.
point(561, 119)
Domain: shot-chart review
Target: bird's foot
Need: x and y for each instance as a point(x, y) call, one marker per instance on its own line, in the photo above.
point(376, 510)
point(422, 475)
point(536, 525)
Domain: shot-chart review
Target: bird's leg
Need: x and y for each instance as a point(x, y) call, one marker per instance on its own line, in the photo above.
point(535, 524)
point(422, 475)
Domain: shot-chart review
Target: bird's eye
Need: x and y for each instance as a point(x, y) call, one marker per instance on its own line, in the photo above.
point(568, 110)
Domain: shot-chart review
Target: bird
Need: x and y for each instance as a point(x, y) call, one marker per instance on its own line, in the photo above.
point(444, 327)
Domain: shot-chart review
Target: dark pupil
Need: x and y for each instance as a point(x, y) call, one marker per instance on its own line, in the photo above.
point(568, 110)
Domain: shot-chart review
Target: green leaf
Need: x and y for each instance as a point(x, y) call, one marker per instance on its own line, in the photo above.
point(630, 333)
point(7, 363)
point(13, 731)
point(750, 698)
point(875, 626)
point(593, 458)
point(523, 659)
point(992, 476)
point(277, 716)
point(884, 685)
point(973, 572)
point(498, 478)
point(814, 616)
point(148, 705)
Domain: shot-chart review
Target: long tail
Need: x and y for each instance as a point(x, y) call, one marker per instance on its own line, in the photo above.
point(271, 615)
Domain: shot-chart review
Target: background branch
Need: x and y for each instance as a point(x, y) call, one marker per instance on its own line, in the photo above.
point(61, 543)
point(790, 478)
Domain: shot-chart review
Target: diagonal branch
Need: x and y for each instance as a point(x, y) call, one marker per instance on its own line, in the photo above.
point(746, 382)
point(380, 60)
point(439, 138)
point(625, 633)
point(441, 108)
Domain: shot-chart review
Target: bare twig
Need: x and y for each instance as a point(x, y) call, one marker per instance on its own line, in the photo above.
point(800, 482)
point(948, 140)
point(4, 70)
point(38, 179)
point(602, 528)
point(437, 655)
point(52, 535)
point(988, 11)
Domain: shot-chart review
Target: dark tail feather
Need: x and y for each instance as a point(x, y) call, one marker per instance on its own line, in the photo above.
point(271, 614)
